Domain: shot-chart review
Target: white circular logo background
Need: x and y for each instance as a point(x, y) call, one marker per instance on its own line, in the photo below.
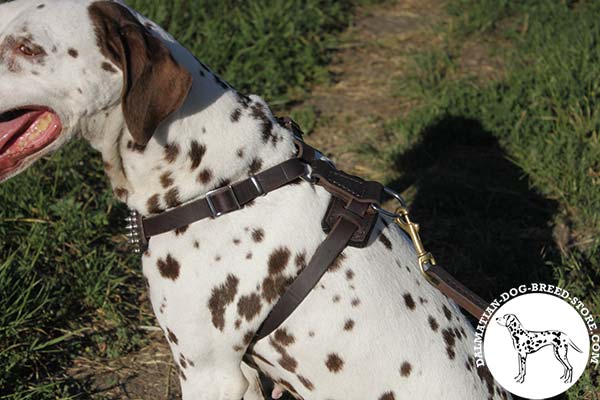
point(542, 375)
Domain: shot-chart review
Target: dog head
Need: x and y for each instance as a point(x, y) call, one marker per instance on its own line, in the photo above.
point(82, 67)
point(508, 320)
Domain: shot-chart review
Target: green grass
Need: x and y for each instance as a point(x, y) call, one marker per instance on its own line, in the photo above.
point(492, 167)
point(504, 172)
point(68, 285)
point(270, 47)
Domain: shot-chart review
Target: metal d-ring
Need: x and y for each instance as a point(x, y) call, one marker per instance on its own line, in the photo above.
point(396, 196)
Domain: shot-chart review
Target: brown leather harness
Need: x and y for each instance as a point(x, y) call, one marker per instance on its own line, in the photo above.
point(352, 213)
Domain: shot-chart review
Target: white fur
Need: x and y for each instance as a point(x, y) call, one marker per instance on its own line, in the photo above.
point(386, 334)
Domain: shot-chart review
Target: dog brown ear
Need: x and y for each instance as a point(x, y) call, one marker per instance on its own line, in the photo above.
point(154, 84)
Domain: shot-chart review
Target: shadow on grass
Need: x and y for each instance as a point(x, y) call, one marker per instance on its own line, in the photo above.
point(478, 215)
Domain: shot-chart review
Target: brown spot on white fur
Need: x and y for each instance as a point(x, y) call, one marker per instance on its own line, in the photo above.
point(408, 300)
point(334, 363)
point(249, 306)
point(169, 267)
point(450, 341)
point(286, 361)
point(258, 235)
point(300, 261)
point(205, 176)
point(121, 193)
point(248, 336)
point(181, 230)
point(108, 67)
point(337, 263)
point(171, 336)
point(236, 114)
point(433, 324)
point(388, 396)
point(166, 179)
point(284, 337)
point(196, 153)
point(171, 152)
point(222, 296)
point(255, 166)
point(182, 361)
point(172, 198)
point(447, 312)
point(386, 242)
point(405, 369)
point(153, 204)
point(266, 128)
point(278, 260)
point(274, 286)
point(349, 325)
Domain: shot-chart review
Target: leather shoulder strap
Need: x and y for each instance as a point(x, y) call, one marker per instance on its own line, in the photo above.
point(326, 253)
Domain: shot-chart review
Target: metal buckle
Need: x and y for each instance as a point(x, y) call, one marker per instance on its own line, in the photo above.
point(135, 232)
point(257, 185)
point(307, 177)
point(213, 210)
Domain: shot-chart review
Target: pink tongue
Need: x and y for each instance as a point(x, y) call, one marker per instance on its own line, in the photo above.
point(18, 125)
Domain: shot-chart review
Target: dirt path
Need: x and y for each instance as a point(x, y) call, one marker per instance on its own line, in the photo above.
point(375, 55)
point(352, 110)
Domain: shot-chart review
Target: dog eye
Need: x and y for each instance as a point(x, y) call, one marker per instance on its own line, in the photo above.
point(29, 49)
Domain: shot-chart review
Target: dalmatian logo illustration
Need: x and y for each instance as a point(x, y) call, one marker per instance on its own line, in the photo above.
point(528, 342)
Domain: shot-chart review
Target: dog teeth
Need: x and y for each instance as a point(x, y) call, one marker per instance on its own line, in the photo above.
point(40, 126)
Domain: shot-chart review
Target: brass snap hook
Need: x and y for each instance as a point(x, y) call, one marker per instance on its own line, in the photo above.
point(402, 219)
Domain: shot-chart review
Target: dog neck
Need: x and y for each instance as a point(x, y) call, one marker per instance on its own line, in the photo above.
point(217, 137)
point(513, 330)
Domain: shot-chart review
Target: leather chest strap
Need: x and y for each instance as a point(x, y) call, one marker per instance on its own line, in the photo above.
point(307, 279)
point(225, 199)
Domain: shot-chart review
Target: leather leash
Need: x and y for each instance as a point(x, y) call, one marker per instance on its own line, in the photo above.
point(349, 220)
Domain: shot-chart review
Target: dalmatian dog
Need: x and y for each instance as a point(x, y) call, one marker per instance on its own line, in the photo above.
point(527, 342)
point(169, 130)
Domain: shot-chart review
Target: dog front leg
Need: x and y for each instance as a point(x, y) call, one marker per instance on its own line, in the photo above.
point(254, 391)
point(522, 360)
point(214, 383)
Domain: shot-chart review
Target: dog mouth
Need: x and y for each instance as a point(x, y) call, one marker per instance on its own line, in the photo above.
point(24, 132)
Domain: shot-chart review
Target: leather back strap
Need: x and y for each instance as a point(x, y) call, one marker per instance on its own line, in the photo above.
point(226, 199)
point(325, 255)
